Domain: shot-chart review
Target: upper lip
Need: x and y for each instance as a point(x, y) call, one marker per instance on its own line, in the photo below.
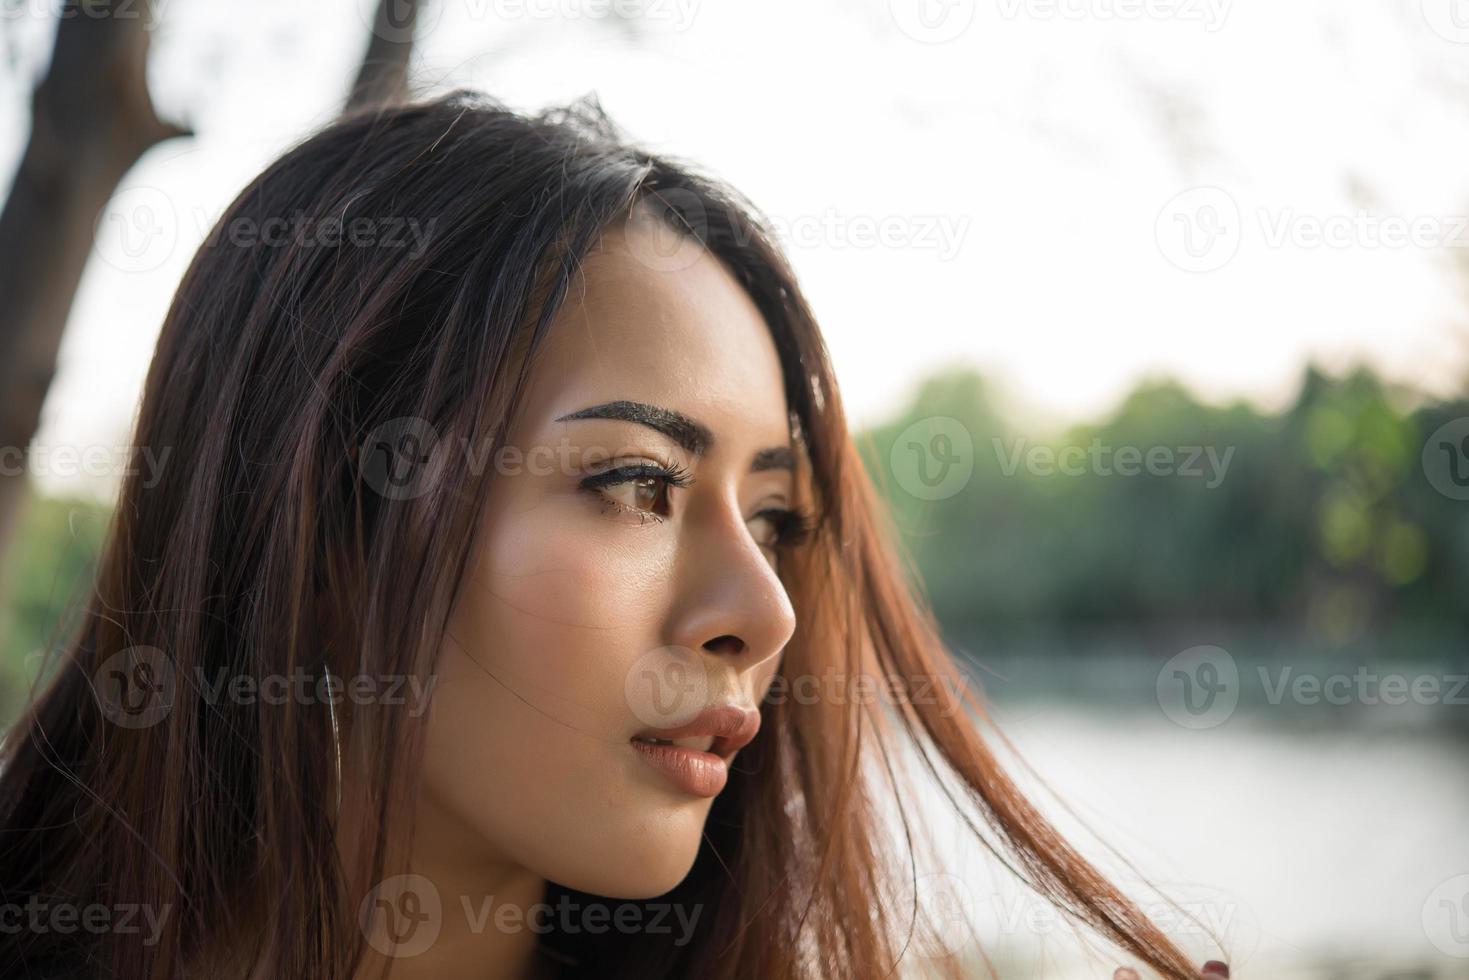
point(731, 725)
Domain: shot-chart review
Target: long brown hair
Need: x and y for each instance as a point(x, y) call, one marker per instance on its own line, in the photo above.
point(264, 550)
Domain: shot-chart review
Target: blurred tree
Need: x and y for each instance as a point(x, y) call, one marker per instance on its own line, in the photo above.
point(92, 118)
point(50, 563)
point(1316, 523)
point(1322, 529)
point(383, 77)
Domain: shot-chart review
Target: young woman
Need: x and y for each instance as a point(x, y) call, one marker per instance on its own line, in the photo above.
point(509, 503)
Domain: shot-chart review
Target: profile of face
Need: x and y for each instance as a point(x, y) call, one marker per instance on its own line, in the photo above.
point(624, 577)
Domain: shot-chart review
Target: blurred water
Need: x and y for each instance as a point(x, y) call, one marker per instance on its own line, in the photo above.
point(1314, 854)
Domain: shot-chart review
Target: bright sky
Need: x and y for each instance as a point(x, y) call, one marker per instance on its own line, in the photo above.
point(993, 183)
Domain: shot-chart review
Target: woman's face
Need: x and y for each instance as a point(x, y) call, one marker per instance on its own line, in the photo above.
point(602, 604)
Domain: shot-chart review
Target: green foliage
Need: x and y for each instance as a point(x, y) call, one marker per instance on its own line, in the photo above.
point(1318, 521)
point(47, 571)
point(1321, 522)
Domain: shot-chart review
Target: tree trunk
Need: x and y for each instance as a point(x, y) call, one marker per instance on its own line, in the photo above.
point(92, 118)
point(383, 77)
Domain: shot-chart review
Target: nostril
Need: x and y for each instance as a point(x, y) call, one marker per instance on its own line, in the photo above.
point(727, 643)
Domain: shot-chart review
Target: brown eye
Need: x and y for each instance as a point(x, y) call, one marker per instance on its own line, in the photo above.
point(648, 493)
point(644, 487)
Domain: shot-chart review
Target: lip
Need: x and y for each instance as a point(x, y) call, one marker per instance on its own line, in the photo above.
point(695, 771)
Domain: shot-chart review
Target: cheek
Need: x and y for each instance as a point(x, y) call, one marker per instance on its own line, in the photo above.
point(528, 728)
point(550, 615)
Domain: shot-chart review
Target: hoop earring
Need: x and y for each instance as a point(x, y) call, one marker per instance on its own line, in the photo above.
point(336, 736)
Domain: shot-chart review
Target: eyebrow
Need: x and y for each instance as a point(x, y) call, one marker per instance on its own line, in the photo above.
point(694, 437)
point(774, 458)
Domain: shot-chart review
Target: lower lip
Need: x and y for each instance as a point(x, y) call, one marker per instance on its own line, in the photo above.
point(696, 773)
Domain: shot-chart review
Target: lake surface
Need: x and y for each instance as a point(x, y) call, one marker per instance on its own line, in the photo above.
point(1312, 853)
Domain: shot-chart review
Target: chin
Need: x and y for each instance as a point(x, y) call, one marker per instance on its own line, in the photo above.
point(642, 865)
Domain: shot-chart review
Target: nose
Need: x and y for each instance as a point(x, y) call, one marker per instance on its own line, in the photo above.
point(728, 600)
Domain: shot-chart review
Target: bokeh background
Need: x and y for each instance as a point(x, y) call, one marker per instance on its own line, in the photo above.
point(1152, 317)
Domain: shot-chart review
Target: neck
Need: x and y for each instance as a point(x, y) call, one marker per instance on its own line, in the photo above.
point(484, 926)
point(457, 913)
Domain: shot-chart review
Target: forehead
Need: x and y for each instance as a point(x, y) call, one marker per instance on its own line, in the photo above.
point(679, 334)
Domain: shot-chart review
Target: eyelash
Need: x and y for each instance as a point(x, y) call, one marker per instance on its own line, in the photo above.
point(670, 476)
point(792, 526)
